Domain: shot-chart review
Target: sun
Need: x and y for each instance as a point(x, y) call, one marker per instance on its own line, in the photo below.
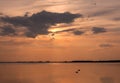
point(54, 30)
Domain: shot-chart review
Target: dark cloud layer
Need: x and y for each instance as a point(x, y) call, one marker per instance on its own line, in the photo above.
point(38, 23)
point(97, 30)
point(7, 30)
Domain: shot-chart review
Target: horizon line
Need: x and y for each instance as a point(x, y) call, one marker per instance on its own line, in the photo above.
point(69, 61)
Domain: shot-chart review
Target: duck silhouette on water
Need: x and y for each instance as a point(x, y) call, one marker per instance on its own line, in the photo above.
point(77, 71)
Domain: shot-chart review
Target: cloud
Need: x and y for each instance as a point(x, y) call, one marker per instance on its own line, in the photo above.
point(39, 23)
point(7, 30)
point(75, 31)
point(103, 12)
point(67, 30)
point(106, 11)
point(97, 30)
point(105, 45)
point(117, 19)
point(107, 80)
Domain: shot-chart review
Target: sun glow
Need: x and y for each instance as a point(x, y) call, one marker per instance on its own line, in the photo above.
point(54, 30)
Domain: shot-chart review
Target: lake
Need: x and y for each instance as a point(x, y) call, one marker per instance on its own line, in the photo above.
point(60, 73)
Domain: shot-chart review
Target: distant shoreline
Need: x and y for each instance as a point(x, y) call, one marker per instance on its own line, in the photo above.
point(74, 61)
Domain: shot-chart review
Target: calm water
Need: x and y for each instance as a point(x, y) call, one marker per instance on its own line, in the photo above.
point(60, 73)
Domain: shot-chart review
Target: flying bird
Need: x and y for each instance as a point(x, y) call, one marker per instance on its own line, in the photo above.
point(52, 36)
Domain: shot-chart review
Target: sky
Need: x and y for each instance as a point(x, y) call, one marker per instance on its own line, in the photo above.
point(59, 30)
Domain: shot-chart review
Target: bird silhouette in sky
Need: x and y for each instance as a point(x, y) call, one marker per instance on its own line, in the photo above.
point(52, 36)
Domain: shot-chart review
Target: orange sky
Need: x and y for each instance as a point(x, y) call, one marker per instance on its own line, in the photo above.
point(67, 43)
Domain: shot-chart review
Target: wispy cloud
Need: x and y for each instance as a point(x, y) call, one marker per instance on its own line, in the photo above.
point(97, 30)
point(105, 45)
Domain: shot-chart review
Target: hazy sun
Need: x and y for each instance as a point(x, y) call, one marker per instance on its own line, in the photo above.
point(54, 30)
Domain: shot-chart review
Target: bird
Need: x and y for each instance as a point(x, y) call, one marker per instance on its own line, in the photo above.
point(77, 71)
point(52, 36)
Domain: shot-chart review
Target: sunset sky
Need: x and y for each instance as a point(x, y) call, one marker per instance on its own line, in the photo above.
point(59, 30)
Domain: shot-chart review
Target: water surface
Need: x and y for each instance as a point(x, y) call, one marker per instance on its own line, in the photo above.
point(60, 73)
